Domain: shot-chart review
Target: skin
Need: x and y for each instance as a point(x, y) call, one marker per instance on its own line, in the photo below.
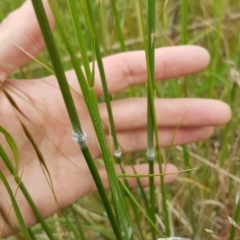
point(40, 100)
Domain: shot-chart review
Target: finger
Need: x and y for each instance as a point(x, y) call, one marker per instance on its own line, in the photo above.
point(132, 113)
point(133, 141)
point(136, 140)
point(21, 29)
point(140, 169)
point(127, 69)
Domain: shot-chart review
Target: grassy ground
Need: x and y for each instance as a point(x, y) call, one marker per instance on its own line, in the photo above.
point(203, 203)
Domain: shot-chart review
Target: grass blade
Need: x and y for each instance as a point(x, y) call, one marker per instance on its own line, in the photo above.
point(114, 184)
point(16, 209)
point(118, 26)
point(184, 35)
point(150, 44)
point(81, 43)
point(90, 98)
point(219, 14)
point(25, 192)
point(140, 208)
point(235, 219)
point(152, 124)
point(57, 65)
point(87, 7)
point(13, 147)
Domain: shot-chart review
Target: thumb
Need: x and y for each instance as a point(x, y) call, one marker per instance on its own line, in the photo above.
point(21, 29)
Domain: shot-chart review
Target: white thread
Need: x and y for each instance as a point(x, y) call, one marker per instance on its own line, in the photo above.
point(130, 231)
point(117, 154)
point(80, 138)
point(150, 155)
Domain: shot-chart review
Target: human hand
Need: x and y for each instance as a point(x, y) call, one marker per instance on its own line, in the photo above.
point(47, 120)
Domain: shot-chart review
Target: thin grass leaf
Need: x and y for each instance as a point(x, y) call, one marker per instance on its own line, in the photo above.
point(104, 32)
point(81, 42)
point(114, 185)
point(57, 65)
point(87, 8)
point(25, 192)
point(32, 234)
point(102, 193)
point(149, 52)
point(142, 210)
point(36, 60)
point(133, 206)
point(41, 159)
point(42, 164)
point(120, 37)
point(184, 35)
point(143, 194)
point(125, 175)
point(118, 26)
point(37, 151)
point(152, 127)
point(13, 147)
point(219, 14)
point(225, 151)
point(91, 101)
point(235, 220)
point(184, 21)
point(79, 232)
point(21, 223)
point(195, 183)
point(150, 55)
point(186, 159)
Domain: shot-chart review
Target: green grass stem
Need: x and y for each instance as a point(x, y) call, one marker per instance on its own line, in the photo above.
point(91, 101)
point(236, 217)
point(87, 9)
point(32, 234)
point(102, 193)
point(79, 34)
point(186, 159)
point(21, 223)
point(152, 124)
point(224, 151)
point(80, 134)
point(156, 230)
point(13, 146)
point(120, 36)
point(118, 26)
point(133, 206)
point(57, 65)
point(184, 34)
point(79, 232)
point(150, 55)
point(25, 192)
point(184, 21)
point(103, 26)
point(142, 192)
point(219, 14)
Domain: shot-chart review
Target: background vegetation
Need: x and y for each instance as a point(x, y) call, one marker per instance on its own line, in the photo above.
point(203, 203)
